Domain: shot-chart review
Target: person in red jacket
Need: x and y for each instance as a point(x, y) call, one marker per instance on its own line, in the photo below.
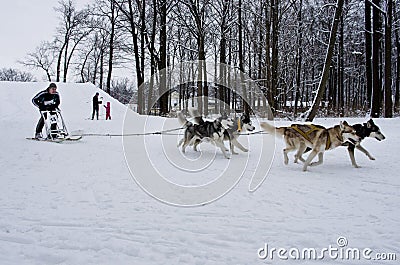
point(108, 110)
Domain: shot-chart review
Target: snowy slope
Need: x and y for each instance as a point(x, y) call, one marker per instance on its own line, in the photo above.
point(77, 203)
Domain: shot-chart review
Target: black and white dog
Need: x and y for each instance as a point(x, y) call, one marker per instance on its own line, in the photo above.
point(368, 129)
point(201, 130)
point(231, 133)
point(240, 124)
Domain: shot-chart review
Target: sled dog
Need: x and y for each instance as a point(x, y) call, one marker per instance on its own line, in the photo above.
point(368, 129)
point(318, 138)
point(232, 133)
point(213, 131)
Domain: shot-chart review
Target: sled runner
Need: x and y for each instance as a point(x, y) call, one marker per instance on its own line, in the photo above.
point(57, 140)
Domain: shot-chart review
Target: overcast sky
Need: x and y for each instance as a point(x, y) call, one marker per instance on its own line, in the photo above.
point(23, 25)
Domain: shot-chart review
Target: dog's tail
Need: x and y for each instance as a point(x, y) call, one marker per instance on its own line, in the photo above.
point(272, 129)
point(196, 115)
point(182, 120)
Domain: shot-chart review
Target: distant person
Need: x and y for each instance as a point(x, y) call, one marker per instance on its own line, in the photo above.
point(96, 106)
point(46, 100)
point(108, 110)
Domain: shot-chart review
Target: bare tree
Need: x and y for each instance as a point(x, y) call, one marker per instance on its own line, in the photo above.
point(10, 74)
point(133, 15)
point(388, 60)
point(397, 41)
point(329, 54)
point(376, 75)
point(196, 24)
point(368, 50)
point(43, 58)
point(71, 32)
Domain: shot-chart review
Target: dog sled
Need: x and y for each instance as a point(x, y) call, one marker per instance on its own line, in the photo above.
point(55, 128)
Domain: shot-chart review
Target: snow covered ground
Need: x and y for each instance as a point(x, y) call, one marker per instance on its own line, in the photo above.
point(77, 203)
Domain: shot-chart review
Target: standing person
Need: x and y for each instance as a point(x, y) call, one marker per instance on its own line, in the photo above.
point(46, 100)
point(108, 110)
point(96, 105)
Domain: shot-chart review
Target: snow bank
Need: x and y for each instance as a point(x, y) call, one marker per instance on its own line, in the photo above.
point(77, 203)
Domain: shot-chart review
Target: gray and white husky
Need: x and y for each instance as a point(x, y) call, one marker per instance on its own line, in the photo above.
point(240, 125)
point(233, 129)
point(213, 131)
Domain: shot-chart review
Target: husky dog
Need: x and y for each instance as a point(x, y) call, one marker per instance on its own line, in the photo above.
point(368, 129)
point(235, 127)
point(318, 138)
point(205, 130)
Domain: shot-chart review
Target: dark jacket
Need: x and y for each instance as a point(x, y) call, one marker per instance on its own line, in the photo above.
point(46, 101)
point(96, 102)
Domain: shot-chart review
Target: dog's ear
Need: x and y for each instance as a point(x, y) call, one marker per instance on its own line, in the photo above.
point(341, 125)
point(369, 123)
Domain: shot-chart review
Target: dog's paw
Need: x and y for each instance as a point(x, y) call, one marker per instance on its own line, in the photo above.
point(245, 150)
point(356, 166)
point(371, 158)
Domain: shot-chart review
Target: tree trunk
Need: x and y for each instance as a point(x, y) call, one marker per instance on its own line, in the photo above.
point(341, 92)
point(162, 66)
point(201, 57)
point(329, 54)
point(222, 67)
point(397, 93)
point(376, 82)
point(274, 57)
point(111, 47)
point(101, 73)
point(152, 59)
point(139, 70)
point(388, 61)
point(368, 51)
point(245, 104)
point(299, 56)
point(59, 59)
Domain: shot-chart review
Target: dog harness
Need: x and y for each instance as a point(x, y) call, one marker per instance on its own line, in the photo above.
point(312, 129)
point(328, 142)
point(239, 125)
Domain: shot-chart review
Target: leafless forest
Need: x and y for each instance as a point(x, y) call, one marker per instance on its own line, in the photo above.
point(308, 58)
